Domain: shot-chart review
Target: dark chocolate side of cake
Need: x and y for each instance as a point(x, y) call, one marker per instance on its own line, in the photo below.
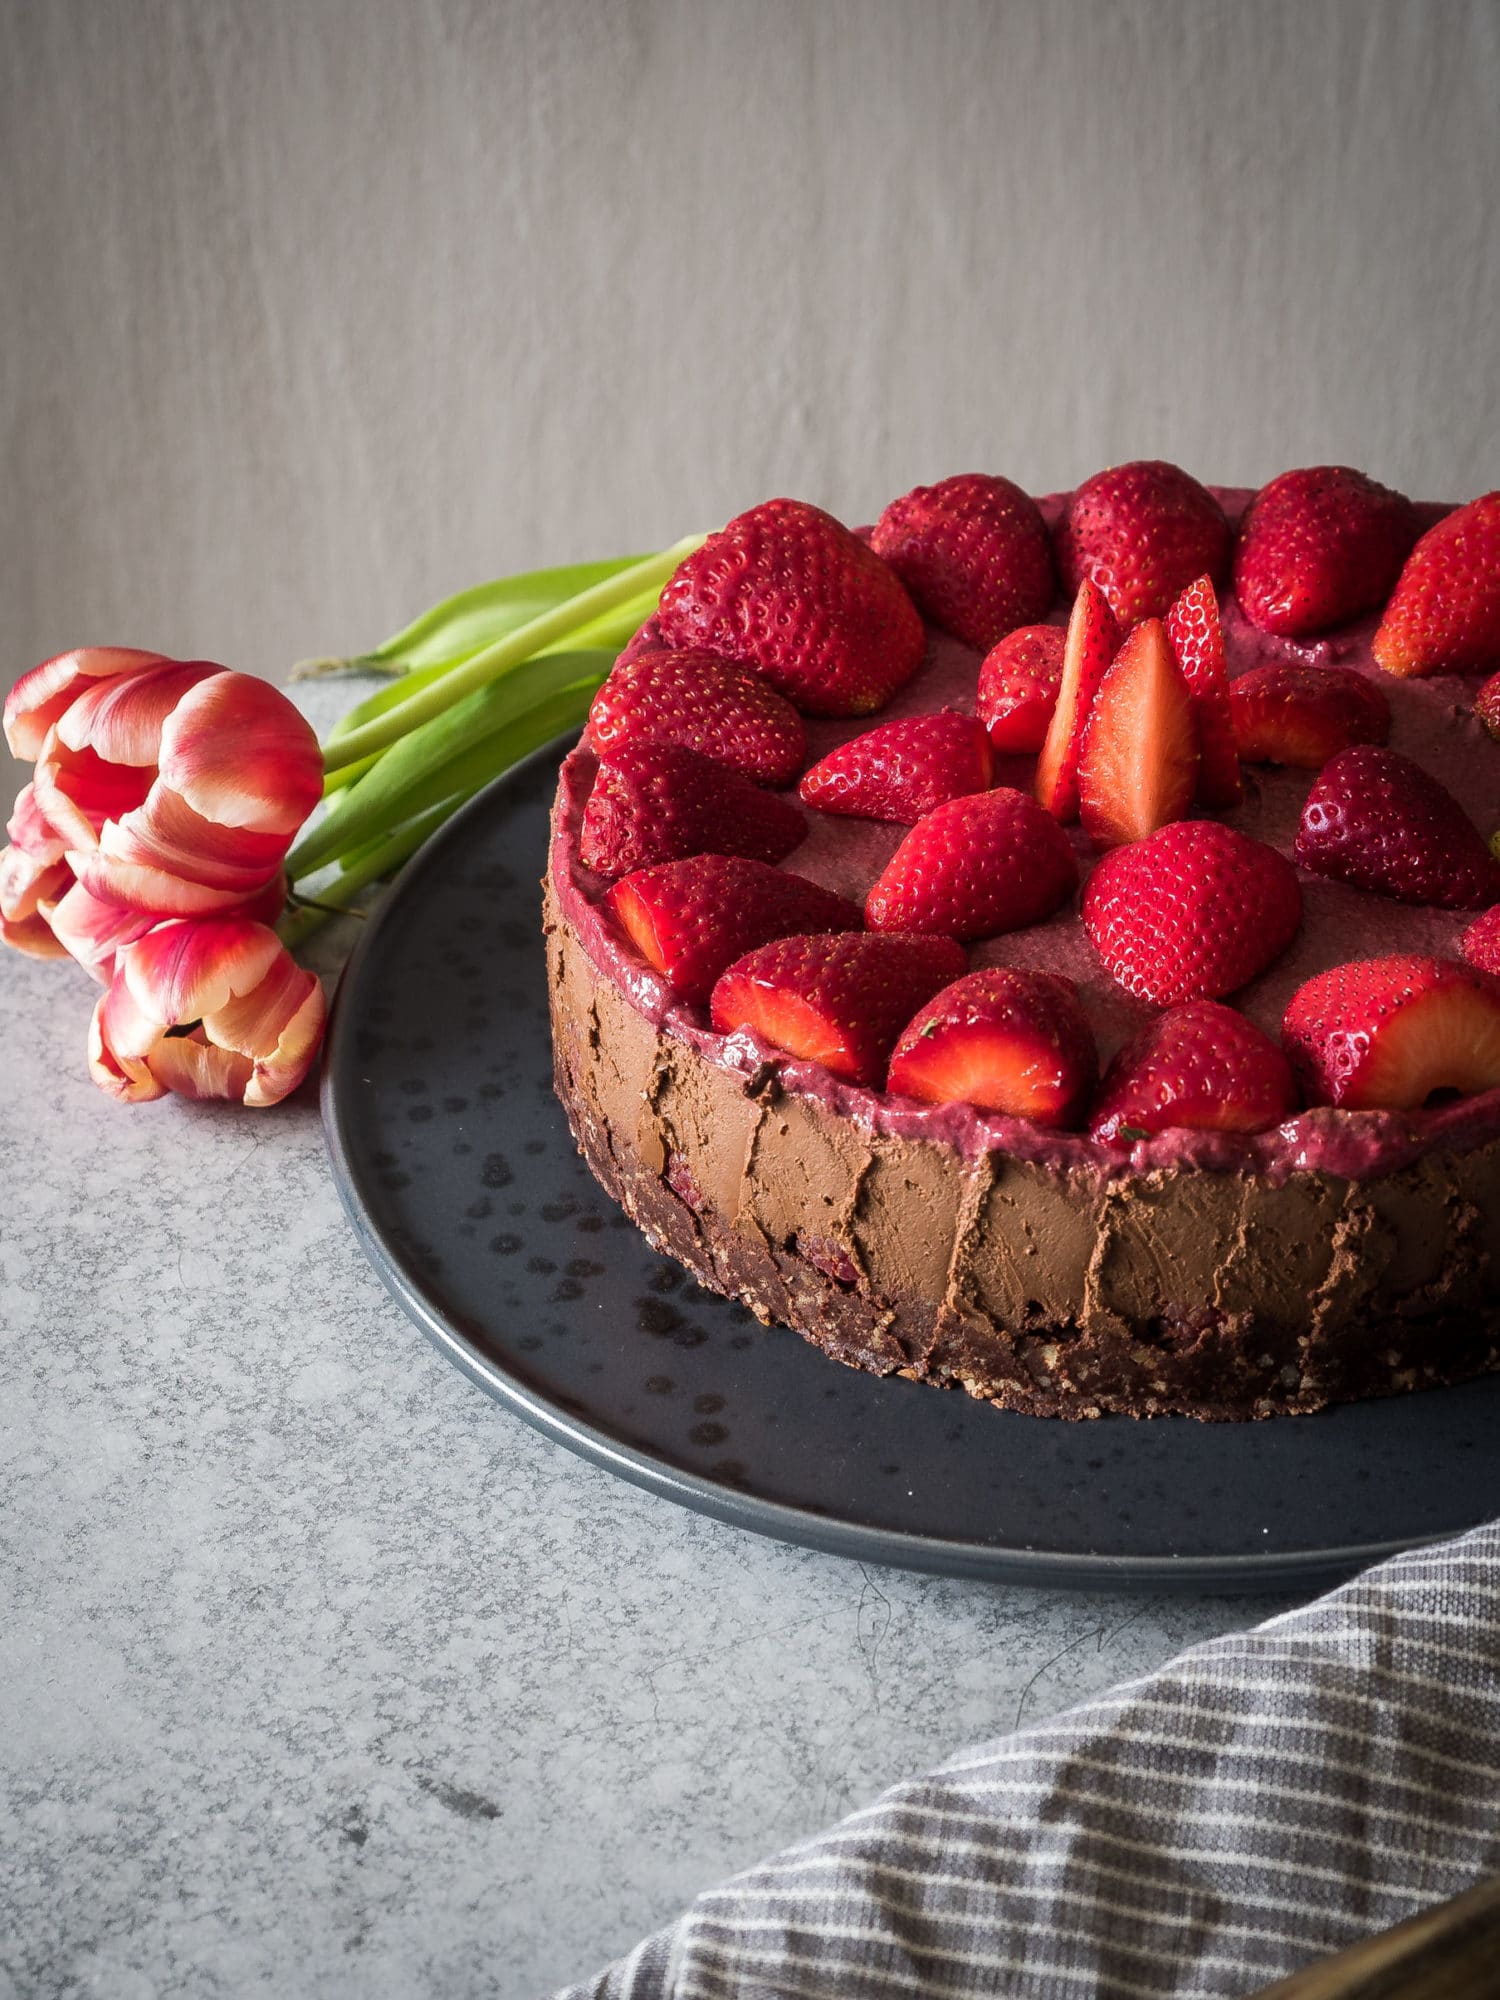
point(1215, 1295)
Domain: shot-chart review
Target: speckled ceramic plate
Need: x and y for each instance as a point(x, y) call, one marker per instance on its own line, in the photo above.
point(458, 1171)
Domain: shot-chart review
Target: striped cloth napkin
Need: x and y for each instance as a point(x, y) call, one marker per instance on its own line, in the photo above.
point(1263, 1800)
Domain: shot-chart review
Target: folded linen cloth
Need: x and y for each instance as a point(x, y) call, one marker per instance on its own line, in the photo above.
point(1262, 1800)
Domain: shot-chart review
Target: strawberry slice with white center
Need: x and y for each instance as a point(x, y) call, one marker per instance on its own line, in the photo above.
point(1302, 716)
point(1138, 765)
point(1197, 643)
point(1201, 1067)
point(1386, 1033)
point(1002, 1040)
point(1093, 639)
point(839, 1001)
point(690, 919)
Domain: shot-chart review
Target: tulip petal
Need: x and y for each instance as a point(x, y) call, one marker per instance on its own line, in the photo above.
point(93, 932)
point(121, 718)
point(77, 791)
point(193, 1068)
point(137, 886)
point(39, 698)
point(26, 883)
point(238, 751)
point(279, 1024)
point(33, 935)
point(164, 832)
point(181, 971)
point(28, 828)
point(119, 1038)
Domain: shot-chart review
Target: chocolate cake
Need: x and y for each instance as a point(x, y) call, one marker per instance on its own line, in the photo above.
point(1340, 1254)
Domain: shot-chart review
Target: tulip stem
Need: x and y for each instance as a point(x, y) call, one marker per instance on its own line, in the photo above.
point(335, 897)
point(507, 653)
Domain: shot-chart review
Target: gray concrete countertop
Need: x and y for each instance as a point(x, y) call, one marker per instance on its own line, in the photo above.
point(320, 1673)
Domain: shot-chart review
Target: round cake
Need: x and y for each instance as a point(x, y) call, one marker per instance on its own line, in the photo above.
point(1068, 1265)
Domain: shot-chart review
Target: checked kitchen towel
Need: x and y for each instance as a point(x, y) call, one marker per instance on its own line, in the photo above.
point(1263, 1800)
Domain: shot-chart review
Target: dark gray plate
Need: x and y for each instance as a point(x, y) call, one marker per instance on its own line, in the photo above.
point(457, 1169)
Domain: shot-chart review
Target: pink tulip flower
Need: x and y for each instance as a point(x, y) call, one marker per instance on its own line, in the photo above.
point(206, 1007)
point(167, 788)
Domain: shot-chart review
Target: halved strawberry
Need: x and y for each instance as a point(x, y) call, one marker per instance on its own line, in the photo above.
point(1302, 716)
point(1197, 643)
point(1377, 820)
point(712, 705)
point(1138, 767)
point(1444, 614)
point(902, 769)
point(975, 867)
point(787, 589)
point(1191, 912)
point(1201, 1066)
point(690, 919)
point(1001, 1040)
point(1480, 943)
point(839, 1001)
point(974, 553)
point(1093, 639)
point(1385, 1033)
point(1018, 684)
point(1318, 546)
point(661, 801)
point(1141, 532)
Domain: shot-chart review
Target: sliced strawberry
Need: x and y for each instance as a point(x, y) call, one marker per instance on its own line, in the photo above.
point(1487, 705)
point(1141, 532)
point(1480, 943)
point(656, 802)
point(1138, 767)
point(1203, 1067)
point(690, 919)
point(975, 867)
point(1001, 1040)
point(974, 553)
point(789, 591)
point(1302, 716)
point(1377, 820)
point(711, 705)
point(838, 1001)
point(903, 769)
point(1385, 1033)
point(1191, 912)
point(1319, 546)
point(1197, 643)
point(1018, 684)
point(1093, 639)
point(1444, 614)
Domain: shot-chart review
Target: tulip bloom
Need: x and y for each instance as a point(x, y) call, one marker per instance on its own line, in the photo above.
point(163, 788)
point(206, 1007)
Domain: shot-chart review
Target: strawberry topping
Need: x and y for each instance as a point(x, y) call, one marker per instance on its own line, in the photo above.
point(974, 553)
point(1141, 532)
point(1202, 1066)
point(840, 1001)
point(1138, 767)
point(1197, 643)
point(1093, 639)
point(1377, 820)
point(1018, 684)
point(901, 770)
point(1444, 614)
point(1319, 546)
point(1302, 716)
point(974, 868)
point(656, 802)
point(711, 705)
point(1480, 943)
point(1385, 1033)
point(1001, 1040)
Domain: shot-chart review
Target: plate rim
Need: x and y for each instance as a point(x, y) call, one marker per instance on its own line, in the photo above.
point(779, 1520)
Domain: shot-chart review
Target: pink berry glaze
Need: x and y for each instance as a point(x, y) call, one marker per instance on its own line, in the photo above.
point(1433, 721)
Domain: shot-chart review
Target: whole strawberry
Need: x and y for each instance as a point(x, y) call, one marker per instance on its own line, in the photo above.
point(1192, 912)
point(1487, 705)
point(1377, 820)
point(1018, 686)
point(708, 704)
point(1002, 1040)
point(1197, 643)
point(1444, 614)
point(1201, 1066)
point(692, 918)
point(901, 770)
point(1141, 532)
point(1385, 1033)
point(788, 590)
point(974, 868)
point(656, 802)
point(1480, 943)
point(1302, 716)
point(838, 1001)
point(974, 553)
point(1319, 546)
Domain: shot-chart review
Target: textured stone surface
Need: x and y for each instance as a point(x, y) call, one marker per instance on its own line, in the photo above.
point(321, 1673)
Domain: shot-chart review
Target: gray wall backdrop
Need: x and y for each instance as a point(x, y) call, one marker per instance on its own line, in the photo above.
point(314, 310)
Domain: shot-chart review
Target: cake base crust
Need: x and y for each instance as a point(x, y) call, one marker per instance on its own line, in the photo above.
point(1216, 1295)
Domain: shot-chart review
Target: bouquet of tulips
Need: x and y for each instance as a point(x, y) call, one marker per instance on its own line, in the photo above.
point(157, 841)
